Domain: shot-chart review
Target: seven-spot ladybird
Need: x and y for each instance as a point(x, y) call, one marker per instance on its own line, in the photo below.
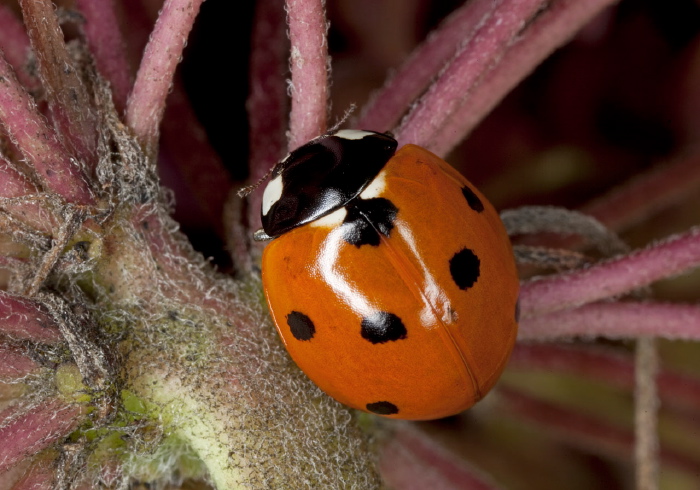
point(390, 278)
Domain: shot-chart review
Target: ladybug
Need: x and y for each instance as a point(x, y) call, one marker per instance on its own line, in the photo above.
point(390, 278)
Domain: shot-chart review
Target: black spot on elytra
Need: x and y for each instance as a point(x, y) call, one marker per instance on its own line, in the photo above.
point(301, 326)
point(382, 327)
point(472, 199)
point(517, 311)
point(464, 267)
point(366, 219)
point(383, 408)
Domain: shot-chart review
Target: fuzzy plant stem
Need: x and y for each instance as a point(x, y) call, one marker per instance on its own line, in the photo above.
point(309, 66)
point(107, 46)
point(25, 432)
point(68, 98)
point(652, 191)
point(615, 321)
point(267, 108)
point(38, 142)
point(12, 182)
point(606, 366)
point(21, 318)
point(206, 387)
point(404, 86)
point(646, 404)
point(146, 103)
point(141, 23)
point(553, 26)
point(528, 220)
point(40, 475)
point(15, 364)
point(14, 43)
point(507, 47)
point(497, 32)
point(15, 188)
point(410, 459)
point(676, 255)
point(589, 432)
point(194, 161)
point(267, 101)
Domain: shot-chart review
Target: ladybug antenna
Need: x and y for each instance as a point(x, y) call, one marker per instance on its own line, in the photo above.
point(246, 190)
point(346, 115)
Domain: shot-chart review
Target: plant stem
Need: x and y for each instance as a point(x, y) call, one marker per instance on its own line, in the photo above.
point(38, 142)
point(673, 256)
point(146, 103)
point(615, 321)
point(25, 431)
point(646, 404)
point(309, 67)
point(107, 47)
point(71, 108)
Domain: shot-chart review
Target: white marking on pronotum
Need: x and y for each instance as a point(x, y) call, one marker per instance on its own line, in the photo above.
point(272, 193)
point(375, 188)
point(331, 220)
point(351, 134)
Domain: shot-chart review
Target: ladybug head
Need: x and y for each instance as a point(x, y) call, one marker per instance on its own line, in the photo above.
point(320, 177)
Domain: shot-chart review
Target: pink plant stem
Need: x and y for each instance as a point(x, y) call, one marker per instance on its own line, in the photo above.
point(410, 460)
point(267, 108)
point(69, 102)
point(552, 28)
point(198, 166)
point(140, 23)
point(615, 321)
point(671, 257)
point(487, 82)
point(25, 432)
point(23, 319)
point(483, 51)
point(648, 193)
point(146, 103)
point(389, 102)
point(267, 102)
point(13, 183)
point(605, 366)
point(40, 475)
point(107, 46)
point(38, 142)
point(585, 431)
point(309, 67)
point(646, 414)
point(171, 255)
point(14, 43)
point(14, 364)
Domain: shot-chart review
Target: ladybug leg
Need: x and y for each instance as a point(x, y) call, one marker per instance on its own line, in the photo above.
point(261, 236)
